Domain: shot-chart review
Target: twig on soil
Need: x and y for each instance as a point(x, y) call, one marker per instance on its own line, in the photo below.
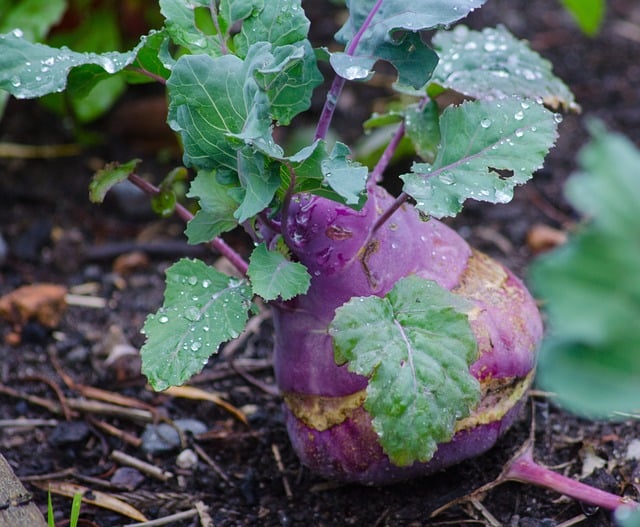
point(267, 388)
point(97, 407)
point(108, 428)
point(33, 399)
point(19, 151)
point(190, 392)
point(147, 468)
point(573, 521)
point(224, 370)
point(203, 514)
point(477, 504)
point(23, 423)
point(94, 302)
point(166, 520)
point(50, 475)
point(211, 462)
point(64, 407)
point(280, 465)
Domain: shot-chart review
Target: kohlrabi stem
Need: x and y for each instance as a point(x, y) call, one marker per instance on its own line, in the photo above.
point(376, 174)
point(214, 17)
point(217, 243)
point(338, 82)
point(524, 469)
point(382, 164)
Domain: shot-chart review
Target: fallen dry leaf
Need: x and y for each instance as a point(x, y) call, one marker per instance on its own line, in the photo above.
point(92, 497)
point(42, 302)
point(541, 238)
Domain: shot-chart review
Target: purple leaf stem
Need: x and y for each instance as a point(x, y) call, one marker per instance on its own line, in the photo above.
point(217, 243)
point(338, 82)
point(525, 470)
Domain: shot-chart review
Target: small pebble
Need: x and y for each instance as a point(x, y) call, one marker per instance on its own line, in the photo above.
point(633, 450)
point(127, 477)
point(160, 438)
point(187, 459)
point(69, 433)
point(191, 426)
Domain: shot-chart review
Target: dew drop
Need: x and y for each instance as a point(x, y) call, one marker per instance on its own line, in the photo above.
point(518, 116)
point(15, 82)
point(196, 345)
point(192, 280)
point(17, 32)
point(206, 283)
point(193, 313)
point(163, 319)
point(447, 179)
point(519, 133)
point(485, 123)
point(524, 105)
point(490, 46)
point(557, 118)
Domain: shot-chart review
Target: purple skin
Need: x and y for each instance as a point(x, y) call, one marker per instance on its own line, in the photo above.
point(328, 427)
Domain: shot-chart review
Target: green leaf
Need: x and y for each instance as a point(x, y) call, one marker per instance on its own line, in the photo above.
point(589, 14)
point(280, 22)
point(591, 290)
point(273, 275)
point(393, 35)
point(105, 178)
point(29, 70)
point(180, 23)
point(289, 82)
point(627, 517)
point(151, 58)
point(416, 346)
point(422, 127)
point(217, 208)
point(491, 64)
point(260, 179)
point(486, 149)
point(345, 177)
point(33, 18)
point(202, 308)
point(164, 203)
point(207, 104)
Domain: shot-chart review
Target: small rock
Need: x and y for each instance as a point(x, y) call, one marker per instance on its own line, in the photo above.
point(633, 449)
point(161, 438)
point(69, 433)
point(127, 477)
point(191, 426)
point(187, 459)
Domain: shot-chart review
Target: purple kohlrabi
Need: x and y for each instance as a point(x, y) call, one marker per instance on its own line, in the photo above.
point(327, 423)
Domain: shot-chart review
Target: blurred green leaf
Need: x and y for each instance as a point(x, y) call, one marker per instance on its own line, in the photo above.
point(589, 14)
point(590, 286)
point(105, 178)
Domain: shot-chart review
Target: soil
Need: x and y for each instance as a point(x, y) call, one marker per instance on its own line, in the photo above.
point(247, 474)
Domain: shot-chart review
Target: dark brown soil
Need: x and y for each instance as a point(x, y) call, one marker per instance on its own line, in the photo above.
point(53, 234)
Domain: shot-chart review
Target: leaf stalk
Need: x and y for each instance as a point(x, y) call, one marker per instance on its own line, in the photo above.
point(218, 244)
